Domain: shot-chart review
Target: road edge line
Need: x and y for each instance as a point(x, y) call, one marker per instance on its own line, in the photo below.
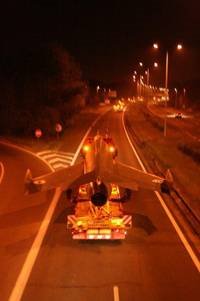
point(23, 277)
point(178, 230)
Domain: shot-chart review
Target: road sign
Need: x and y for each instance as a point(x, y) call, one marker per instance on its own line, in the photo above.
point(38, 133)
point(112, 93)
point(58, 127)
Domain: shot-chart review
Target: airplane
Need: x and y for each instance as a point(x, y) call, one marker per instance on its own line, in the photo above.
point(99, 169)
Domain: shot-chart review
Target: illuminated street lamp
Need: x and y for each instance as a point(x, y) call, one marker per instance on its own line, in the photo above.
point(178, 47)
point(135, 72)
point(147, 73)
point(155, 64)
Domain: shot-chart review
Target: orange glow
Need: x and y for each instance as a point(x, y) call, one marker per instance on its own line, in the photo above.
point(155, 46)
point(111, 149)
point(86, 148)
point(115, 190)
point(155, 64)
point(82, 190)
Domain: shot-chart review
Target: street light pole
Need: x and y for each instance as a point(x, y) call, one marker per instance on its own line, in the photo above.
point(166, 70)
point(148, 76)
point(176, 91)
point(166, 89)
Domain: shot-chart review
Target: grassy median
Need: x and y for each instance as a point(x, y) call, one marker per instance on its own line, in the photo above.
point(164, 153)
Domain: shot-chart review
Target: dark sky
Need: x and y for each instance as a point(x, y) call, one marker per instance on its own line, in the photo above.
point(106, 37)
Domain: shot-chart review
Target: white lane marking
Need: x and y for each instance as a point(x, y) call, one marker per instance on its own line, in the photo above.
point(59, 165)
point(26, 151)
point(2, 172)
point(66, 153)
point(116, 293)
point(65, 156)
point(44, 152)
point(49, 155)
point(168, 213)
point(25, 272)
point(52, 161)
point(27, 267)
point(180, 233)
point(57, 155)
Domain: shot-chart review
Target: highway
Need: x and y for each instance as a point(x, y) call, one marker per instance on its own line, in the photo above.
point(151, 264)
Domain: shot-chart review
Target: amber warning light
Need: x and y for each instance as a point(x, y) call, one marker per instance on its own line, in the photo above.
point(111, 149)
point(86, 148)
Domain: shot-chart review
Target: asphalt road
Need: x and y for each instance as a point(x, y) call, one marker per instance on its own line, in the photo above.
point(20, 215)
point(151, 264)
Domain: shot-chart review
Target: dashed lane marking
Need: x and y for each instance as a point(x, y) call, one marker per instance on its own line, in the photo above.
point(167, 211)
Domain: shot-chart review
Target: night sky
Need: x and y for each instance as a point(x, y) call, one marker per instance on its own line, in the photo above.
point(107, 38)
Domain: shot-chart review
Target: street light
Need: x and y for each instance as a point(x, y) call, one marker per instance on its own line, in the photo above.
point(155, 64)
point(147, 73)
point(176, 91)
point(178, 47)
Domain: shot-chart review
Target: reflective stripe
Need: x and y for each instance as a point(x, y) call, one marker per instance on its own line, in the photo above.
point(127, 219)
point(72, 219)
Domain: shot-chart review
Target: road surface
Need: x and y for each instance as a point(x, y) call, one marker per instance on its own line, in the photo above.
point(151, 264)
point(20, 215)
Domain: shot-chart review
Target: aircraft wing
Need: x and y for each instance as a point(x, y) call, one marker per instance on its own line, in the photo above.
point(63, 178)
point(132, 178)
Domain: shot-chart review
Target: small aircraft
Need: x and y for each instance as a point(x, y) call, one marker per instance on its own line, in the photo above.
point(99, 169)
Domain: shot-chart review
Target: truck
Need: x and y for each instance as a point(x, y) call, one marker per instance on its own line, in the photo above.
point(90, 222)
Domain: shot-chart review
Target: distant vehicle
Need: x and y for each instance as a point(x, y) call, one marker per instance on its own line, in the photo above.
point(107, 101)
point(119, 106)
point(98, 186)
point(179, 115)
